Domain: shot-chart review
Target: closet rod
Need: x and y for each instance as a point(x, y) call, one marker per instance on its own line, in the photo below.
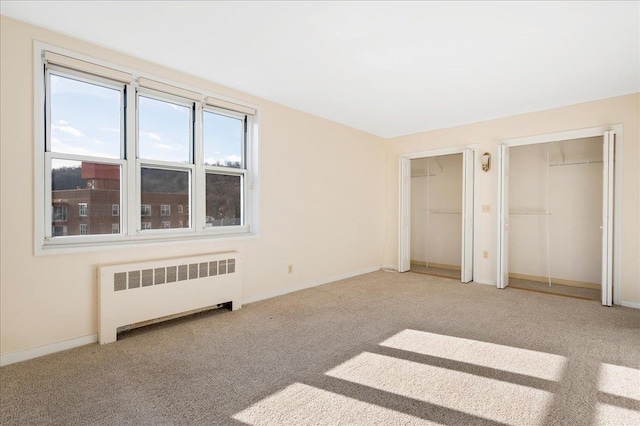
point(575, 164)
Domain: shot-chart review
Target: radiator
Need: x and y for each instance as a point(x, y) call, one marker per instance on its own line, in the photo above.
point(135, 292)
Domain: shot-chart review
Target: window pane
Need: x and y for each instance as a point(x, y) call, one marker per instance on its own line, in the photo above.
point(82, 197)
point(162, 192)
point(223, 200)
point(223, 139)
point(85, 118)
point(163, 130)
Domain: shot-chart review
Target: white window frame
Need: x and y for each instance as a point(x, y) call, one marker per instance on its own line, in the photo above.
point(146, 225)
point(130, 164)
point(48, 240)
point(228, 171)
point(83, 209)
point(115, 228)
point(115, 210)
point(166, 224)
point(165, 209)
point(144, 208)
point(84, 229)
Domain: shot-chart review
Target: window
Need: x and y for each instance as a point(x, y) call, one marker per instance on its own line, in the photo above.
point(84, 145)
point(59, 231)
point(183, 148)
point(59, 213)
point(224, 164)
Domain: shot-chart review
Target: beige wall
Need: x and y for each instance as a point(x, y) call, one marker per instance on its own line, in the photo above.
point(623, 110)
point(322, 205)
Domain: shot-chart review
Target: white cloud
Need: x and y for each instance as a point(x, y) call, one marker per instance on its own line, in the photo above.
point(62, 122)
point(153, 135)
point(163, 146)
point(232, 158)
point(109, 129)
point(68, 129)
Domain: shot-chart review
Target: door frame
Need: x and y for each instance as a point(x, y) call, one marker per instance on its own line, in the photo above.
point(469, 202)
point(617, 190)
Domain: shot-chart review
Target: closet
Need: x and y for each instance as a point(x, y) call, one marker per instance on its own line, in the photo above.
point(555, 214)
point(436, 215)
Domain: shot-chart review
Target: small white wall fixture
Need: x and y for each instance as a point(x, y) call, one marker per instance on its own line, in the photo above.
point(468, 170)
point(612, 152)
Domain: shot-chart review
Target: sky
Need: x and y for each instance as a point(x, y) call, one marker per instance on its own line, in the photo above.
point(85, 120)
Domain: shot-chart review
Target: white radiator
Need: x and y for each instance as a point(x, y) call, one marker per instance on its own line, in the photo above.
point(136, 292)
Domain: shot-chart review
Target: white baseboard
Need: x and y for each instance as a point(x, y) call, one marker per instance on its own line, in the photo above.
point(635, 305)
point(316, 283)
point(27, 354)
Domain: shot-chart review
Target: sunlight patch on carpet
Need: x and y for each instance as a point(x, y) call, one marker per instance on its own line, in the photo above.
point(300, 404)
point(618, 416)
point(620, 381)
point(506, 358)
point(479, 396)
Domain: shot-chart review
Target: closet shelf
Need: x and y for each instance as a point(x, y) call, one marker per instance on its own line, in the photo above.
point(533, 213)
point(442, 212)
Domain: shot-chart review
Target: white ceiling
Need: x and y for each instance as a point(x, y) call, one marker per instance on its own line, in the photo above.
point(388, 68)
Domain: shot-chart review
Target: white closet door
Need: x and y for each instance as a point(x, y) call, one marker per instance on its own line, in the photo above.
point(467, 215)
point(608, 150)
point(502, 256)
point(404, 252)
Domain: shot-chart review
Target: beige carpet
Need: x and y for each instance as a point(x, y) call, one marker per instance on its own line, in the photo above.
point(384, 348)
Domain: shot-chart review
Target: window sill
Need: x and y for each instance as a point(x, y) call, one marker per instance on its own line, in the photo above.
point(81, 245)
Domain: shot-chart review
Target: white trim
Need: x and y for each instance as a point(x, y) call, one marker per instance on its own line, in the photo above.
point(617, 219)
point(634, 305)
point(281, 292)
point(404, 214)
point(460, 149)
point(13, 357)
point(130, 222)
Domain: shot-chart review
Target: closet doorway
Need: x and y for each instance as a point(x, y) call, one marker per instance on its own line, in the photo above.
point(556, 214)
point(436, 213)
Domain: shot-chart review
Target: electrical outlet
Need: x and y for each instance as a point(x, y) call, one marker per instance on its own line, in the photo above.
point(290, 269)
point(486, 208)
point(485, 254)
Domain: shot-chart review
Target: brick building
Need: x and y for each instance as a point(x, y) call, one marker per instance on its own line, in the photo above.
point(95, 208)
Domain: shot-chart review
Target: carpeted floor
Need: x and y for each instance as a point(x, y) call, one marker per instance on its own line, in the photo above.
point(384, 348)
